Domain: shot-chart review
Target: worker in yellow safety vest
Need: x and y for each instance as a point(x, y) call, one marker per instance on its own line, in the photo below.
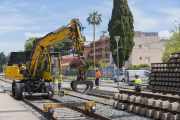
point(137, 83)
point(60, 82)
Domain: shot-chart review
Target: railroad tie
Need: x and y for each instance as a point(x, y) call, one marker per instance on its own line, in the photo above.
point(115, 104)
point(143, 101)
point(166, 116)
point(164, 104)
point(130, 108)
point(136, 109)
point(149, 102)
point(137, 99)
point(157, 114)
point(156, 103)
point(175, 117)
point(130, 98)
point(119, 105)
point(150, 112)
point(173, 106)
point(178, 109)
point(115, 96)
point(124, 97)
point(123, 106)
point(143, 111)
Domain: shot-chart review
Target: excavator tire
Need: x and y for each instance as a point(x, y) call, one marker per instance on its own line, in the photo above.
point(13, 88)
point(18, 91)
point(51, 87)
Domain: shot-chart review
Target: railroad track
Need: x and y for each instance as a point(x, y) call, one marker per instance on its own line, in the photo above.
point(64, 112)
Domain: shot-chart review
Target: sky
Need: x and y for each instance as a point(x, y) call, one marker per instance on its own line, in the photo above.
point(21, 19)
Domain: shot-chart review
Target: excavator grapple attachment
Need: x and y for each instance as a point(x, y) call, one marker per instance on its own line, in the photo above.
point(89, 86)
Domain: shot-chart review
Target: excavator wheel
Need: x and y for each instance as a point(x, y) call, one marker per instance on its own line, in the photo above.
point(18, 91)
point(89, 86)
point(13, 88)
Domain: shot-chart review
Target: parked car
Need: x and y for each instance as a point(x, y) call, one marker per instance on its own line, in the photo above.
point(144, 75)
point(121, 77)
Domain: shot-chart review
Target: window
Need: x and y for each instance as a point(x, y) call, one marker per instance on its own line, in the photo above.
point(139, 46)
point(163, 47)
point(147, 59)
point(146, 47)
point(140, 58)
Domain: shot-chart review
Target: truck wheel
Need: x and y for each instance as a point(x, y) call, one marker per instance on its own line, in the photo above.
point(51, 87)
point(18, 91)
point(13, 88)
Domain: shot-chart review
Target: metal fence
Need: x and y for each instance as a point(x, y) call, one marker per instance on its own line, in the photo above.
point(106, 73)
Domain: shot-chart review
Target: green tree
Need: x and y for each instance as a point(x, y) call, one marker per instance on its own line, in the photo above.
point(94, 19)
point(121, 24)
point(100, 64)
point(90, 63)
point(3, 60)
point(29, 43)
point(91, 68)
point(63, 46)
point(172, 45)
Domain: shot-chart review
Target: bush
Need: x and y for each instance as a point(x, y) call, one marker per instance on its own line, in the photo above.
point(137, 67)
point(91, 68)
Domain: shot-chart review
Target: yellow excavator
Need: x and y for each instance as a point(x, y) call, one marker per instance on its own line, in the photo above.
point(33, 72)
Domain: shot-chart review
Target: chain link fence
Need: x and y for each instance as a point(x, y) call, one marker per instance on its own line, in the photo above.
point(105, 73)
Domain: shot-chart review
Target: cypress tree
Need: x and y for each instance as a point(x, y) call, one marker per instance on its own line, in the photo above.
point(121, 24)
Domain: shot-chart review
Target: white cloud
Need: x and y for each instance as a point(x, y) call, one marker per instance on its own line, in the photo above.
point(23, 4)
point(43, 7)
point(164, 33)
point(28, 34)
point(8, 29)
point(8, 47)
point(173, 14)
point(7, 8)
point(142, 22)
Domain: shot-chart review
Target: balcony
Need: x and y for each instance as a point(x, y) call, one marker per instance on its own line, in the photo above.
point(99, 46)
point(100, 53)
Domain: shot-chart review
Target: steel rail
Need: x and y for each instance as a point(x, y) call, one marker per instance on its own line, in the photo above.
point(84, 111)
point(88, 99)
point(39, 109)
point(151, 95)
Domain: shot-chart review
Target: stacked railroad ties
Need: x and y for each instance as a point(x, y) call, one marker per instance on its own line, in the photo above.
point(165, 79)
point(166, 76)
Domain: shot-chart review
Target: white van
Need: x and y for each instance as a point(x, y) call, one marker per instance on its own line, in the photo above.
point(143, 75)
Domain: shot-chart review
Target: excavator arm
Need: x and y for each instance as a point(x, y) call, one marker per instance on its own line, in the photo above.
point(71, 30)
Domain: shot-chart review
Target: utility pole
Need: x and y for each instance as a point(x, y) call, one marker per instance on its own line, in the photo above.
point(103, 54)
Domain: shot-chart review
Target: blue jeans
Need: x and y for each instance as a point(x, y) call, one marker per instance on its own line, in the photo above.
point(97, 82)
point(138, 89)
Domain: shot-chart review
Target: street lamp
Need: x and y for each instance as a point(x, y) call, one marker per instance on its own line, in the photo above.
point(117, 40)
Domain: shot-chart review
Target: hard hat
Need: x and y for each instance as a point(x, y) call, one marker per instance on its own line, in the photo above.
point(97, 69)
point(137, 74)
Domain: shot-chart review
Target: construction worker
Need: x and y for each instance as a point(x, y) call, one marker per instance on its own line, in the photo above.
point(60, 83)
point(98, 74)
point(137, 83)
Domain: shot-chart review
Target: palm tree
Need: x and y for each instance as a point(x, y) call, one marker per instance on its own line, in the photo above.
point(94, 19)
